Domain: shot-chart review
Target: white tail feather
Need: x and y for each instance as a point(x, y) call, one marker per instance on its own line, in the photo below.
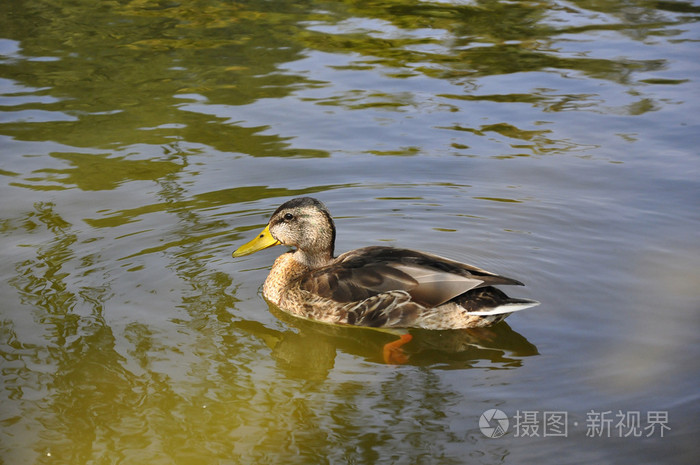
point(507, 308)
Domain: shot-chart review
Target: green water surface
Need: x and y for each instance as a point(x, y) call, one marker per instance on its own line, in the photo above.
point(142, 141)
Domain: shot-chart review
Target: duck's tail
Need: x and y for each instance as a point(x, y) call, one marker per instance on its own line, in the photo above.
point(512, 305)
point(488, 301)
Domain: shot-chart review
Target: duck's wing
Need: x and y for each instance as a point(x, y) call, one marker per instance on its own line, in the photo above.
point(429, 279)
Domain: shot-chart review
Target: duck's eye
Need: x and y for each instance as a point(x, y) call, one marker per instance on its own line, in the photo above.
point(288, 217)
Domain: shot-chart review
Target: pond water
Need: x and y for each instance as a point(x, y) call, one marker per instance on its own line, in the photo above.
point(142, 141)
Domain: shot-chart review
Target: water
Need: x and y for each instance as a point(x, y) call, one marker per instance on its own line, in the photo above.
point(142, 142)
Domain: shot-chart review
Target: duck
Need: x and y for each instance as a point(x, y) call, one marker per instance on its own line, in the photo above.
point(379, 287)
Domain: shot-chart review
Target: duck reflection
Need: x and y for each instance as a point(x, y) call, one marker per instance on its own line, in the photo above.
point(310, 349)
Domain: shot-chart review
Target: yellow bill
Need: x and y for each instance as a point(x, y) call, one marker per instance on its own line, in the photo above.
point(262, 241)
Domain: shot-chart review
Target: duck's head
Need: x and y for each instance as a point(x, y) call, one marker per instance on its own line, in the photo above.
point(304, 223)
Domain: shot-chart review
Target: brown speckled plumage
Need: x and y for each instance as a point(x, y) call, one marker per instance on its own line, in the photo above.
point(374, 286)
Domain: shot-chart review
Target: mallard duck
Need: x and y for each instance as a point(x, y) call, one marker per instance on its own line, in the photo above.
point(376, 286)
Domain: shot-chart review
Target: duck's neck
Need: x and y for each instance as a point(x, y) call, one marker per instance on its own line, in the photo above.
point(312, 261)
point(287, 268)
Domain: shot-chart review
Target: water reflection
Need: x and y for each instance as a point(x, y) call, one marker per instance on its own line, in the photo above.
point(125, 74)
point(70, 344)
point(310, 349)
point(146, 72)
point(91, 172)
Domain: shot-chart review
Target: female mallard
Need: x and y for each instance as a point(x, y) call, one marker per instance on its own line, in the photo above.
point(373, 286)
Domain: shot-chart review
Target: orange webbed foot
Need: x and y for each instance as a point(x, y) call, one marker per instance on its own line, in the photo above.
point(393, 353)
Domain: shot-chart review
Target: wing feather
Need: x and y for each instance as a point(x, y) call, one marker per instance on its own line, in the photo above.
point(429, 279)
